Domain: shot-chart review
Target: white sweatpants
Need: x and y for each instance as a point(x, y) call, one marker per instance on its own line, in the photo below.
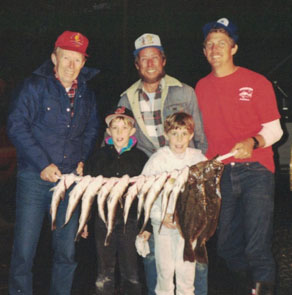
point(169, 247)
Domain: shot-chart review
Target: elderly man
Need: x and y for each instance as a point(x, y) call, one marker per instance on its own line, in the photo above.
point(240, 116)
point(151, 99)
point(53, 125)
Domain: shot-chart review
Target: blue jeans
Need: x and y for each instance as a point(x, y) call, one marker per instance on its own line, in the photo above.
point(246, 219)
point(150, 268)
point(33, 200)
point(201, 279)
point(122, 249)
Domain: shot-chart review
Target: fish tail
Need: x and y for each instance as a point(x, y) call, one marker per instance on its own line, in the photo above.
point(143, 228)
point(107, 239)
point(77, 237)
point(161, 223)
point(53, 226)
point(138, 215)
point(201, 253)
point(189, 254)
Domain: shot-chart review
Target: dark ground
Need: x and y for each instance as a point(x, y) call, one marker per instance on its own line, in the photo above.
point(219, 277)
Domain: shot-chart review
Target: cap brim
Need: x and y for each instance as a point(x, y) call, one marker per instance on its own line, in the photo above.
point(73, 49)
point(109, 118)
point(155, 46)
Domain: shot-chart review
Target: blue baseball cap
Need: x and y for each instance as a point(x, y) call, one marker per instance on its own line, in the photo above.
point(222, 23)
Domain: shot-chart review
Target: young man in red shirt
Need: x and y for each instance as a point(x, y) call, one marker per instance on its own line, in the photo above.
point(240, 115)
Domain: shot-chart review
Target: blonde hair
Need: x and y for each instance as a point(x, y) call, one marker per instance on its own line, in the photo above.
point(122, 118)
point(179, 120)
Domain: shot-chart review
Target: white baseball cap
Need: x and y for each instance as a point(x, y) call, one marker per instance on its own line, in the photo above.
point(147, 40)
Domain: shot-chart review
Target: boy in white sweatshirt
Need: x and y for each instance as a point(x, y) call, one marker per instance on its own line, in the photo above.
point(169, 244)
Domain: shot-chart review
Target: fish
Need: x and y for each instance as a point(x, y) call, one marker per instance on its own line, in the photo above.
point(102, 196)
point(141, 195)
point(212, 172)
point(70, 179)
point(87, 201)
point(166, 194)
point(152, 195)
point(191, 211)
point(112, 202)
point(178, 188)
point(75, 196)
point(131, 195)
point(59, 191)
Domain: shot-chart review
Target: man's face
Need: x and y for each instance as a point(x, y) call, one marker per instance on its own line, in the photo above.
point(219, 50)
point(68, 65)
point(150, 65)
point(178, 139)
point(120, 130)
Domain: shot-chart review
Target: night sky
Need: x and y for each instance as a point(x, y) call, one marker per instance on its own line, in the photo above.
point(29, 29)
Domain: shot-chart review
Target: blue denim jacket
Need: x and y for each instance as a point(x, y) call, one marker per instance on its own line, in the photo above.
point(40, 125)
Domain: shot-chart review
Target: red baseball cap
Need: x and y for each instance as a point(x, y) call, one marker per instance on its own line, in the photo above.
point(72, 41)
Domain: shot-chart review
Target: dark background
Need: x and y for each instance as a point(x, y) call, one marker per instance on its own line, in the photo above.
point(29, 28)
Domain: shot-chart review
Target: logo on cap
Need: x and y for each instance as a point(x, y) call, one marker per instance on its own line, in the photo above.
point(77, 40)
point(147, 40)
point(120, 110)
point(224, 21)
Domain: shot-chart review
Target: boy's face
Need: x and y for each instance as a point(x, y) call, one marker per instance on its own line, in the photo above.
point(179, 139)
point(120, 131)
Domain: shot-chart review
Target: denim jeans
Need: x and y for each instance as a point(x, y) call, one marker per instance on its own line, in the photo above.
point(246, 219)
point(33, 200)
point(121, 248)
point(150, 268)
point(201, 279)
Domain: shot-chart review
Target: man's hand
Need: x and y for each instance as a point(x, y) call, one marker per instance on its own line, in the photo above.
point(51, 173)
point(243, 149)
point(79, 168)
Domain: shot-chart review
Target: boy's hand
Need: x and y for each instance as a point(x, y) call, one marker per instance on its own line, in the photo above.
point(145, 235)
point(85, 232)
point(169, 222)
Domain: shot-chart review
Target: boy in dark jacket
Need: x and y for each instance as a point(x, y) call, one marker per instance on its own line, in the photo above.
point(118, 157)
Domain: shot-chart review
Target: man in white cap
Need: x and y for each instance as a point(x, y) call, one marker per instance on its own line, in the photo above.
point(152, 98)
point(241, 116)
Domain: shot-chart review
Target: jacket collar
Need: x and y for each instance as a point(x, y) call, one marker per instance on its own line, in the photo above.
point(168, 82)
point(132, 142)
point(47, 70)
